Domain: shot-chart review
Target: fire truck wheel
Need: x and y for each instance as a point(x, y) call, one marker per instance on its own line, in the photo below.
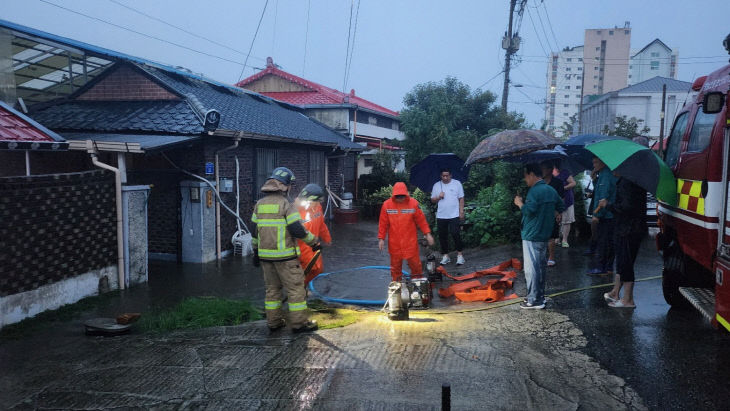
point(673, 277)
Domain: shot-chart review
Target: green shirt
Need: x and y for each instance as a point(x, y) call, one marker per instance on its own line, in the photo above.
point(605, 188)
point(538, 212)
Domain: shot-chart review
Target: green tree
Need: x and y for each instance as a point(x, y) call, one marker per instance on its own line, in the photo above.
point(449, 117)
point(566, 130)
point(626, 127)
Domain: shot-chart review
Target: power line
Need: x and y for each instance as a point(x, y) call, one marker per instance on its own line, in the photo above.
point(542, 25)
point(253, 40)
point(352, 47)
point(536, 33)
point(306, 37)
point(490, 79)
point(347, 50)
point(143, 34)
point(182, 29)
point(650, 58)
point(550, 24)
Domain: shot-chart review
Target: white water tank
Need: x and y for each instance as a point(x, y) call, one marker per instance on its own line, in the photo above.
point(346, 201)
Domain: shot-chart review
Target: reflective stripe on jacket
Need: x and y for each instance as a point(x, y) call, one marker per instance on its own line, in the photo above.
point(400, 221)
point(272, 216)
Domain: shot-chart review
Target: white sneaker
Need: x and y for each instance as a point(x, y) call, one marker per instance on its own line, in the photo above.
point(445, 260)
point(460, 260)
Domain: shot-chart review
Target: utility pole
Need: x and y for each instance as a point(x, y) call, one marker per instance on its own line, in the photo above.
point(510, 45)
point(661, 124)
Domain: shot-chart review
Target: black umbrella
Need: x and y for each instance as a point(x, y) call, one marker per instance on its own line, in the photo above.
point(427, 172)
point(510, 143)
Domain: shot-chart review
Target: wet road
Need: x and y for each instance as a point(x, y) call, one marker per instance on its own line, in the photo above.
point(577, 354)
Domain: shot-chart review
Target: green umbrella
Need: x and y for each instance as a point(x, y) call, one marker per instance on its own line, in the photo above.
point(639, 165)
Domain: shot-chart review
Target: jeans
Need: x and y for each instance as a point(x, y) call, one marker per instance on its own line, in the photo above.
point(535, 255)
point(448, 226)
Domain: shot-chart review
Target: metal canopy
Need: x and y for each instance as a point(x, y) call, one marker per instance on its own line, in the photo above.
point(45, 70)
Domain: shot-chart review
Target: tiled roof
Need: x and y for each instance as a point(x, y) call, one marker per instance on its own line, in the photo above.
point(317, 95)
point(18, 131)
point(250, 112)
point(654, 85)
point(122, 116)
point(240, 110)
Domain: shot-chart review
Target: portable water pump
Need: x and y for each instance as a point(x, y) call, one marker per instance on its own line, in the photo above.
point(397, 305)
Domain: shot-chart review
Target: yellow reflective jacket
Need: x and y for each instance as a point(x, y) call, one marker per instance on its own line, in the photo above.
point(277, 225)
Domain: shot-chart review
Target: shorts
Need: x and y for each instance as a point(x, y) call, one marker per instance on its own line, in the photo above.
point(568, 216)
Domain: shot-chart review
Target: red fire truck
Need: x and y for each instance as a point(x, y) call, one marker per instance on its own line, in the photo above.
point(695, 233)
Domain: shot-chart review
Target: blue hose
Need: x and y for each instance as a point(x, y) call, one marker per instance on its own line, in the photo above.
point(347, 301)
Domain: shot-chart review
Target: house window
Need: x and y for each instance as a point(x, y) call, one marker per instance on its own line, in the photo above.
point(566, 105)
point(595, 68)
point(567, 69)
point(316, 167)
point(580, 68)
point(655, 54)
point(610, 32)
point(567, 87)
point(372, 120)
point(579, 77)
point(598, 31)
point(567, 96)
point(577, 96)
point(577, 87)
point(580, 58)
point(654, 65)
point(569, 59)
point(626, 32)
point(267, 159)
point(395, 126)
point(567, 76)
point(699, 137)
point(368, 162)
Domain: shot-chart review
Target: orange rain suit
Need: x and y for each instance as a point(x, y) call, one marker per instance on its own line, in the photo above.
point(313, 220)
point(399, 221)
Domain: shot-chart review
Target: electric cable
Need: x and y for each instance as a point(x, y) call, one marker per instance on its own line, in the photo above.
point(550, 24)
point(352, 47)
point(306, 38)
point(347, 50)
point(117, 2)
point(536, 33)
point(253, 40)
point(143, 34)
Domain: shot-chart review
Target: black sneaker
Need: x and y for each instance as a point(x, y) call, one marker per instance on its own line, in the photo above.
point(528, 306)
point(308, 327)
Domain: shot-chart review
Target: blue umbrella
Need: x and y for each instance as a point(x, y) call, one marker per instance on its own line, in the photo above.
point(575, 147)
point(427, 172)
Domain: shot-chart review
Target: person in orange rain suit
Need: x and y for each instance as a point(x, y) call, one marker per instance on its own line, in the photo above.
point(310, 209)
point(400, 216)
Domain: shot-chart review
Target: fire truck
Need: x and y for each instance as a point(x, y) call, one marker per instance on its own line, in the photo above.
point(695, 233)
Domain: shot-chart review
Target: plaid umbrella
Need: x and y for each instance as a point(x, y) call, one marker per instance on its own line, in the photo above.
point(510, 143)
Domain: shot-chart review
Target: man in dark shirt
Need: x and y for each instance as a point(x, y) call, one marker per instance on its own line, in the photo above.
point(629, 211)
point(557, 184)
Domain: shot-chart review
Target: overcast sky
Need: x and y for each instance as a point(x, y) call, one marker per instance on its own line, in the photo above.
point(396, 45)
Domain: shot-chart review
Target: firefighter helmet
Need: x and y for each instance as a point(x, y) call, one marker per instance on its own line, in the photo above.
point(283, 174)
point(312, 192)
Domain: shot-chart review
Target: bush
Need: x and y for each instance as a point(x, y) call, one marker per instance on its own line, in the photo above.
point(494, 219)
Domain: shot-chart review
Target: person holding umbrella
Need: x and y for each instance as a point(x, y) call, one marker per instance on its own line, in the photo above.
point(539, 212)
point(605, 189)
point(629, 210)
point(448, 193)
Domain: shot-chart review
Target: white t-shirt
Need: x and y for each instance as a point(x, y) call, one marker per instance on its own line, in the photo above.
point(448, 207)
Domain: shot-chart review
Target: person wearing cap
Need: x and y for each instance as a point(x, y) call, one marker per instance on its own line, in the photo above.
point(310, 210)
point(276, 226)
point(400, 219)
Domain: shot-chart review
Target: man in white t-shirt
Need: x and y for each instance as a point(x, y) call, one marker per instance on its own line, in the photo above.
point(449, 195)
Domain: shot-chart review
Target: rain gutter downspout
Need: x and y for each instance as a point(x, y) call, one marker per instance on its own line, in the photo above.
point(118, 191)
point(217, 203)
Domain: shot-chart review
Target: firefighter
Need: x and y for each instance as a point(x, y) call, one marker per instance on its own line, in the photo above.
point(400, 217)
point(310, 210)
point(276, 226)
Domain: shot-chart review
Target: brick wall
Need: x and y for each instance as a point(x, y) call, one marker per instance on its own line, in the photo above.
point(126, 83)
point(54, 227)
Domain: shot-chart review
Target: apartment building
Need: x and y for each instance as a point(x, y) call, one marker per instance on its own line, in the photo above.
point(564, 80)
point(606, 55)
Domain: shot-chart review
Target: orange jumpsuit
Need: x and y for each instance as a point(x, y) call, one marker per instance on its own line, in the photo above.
point(313, 220)
point(399, 221)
